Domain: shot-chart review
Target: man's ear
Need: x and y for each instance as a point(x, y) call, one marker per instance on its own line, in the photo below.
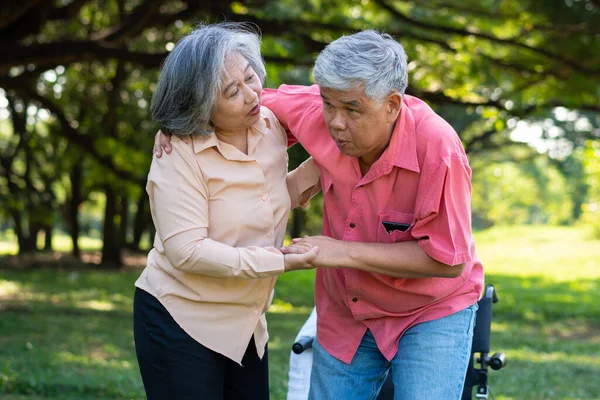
point(393, 105)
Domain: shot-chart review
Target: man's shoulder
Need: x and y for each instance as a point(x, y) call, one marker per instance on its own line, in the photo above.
point(292, 100)
point(431, 130)
point(300, 90)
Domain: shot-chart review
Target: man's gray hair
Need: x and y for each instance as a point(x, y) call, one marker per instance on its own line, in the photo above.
point(370, 58)
point(191, 77)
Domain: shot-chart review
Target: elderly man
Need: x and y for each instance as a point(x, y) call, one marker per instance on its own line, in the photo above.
point(398, 278)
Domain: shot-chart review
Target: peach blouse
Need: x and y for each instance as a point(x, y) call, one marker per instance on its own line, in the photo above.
point(220, 217)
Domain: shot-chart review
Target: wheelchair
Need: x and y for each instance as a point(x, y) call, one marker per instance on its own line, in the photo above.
point(480, 361)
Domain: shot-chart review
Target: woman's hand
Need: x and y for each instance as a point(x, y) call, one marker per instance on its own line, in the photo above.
point(300, 260)
point(162, 141)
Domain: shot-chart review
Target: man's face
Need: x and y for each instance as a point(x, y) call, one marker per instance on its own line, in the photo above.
point(360, 126)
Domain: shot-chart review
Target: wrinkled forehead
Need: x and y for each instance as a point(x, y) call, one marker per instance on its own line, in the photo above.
point(354, 94)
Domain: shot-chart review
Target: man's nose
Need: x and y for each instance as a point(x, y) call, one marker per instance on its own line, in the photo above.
point(338, 122)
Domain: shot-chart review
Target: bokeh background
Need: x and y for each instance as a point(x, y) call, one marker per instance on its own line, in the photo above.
point(519, 80)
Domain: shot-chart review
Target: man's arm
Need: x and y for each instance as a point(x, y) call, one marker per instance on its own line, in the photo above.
point(399, 260)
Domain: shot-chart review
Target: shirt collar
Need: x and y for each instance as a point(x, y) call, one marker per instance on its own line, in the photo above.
point(255, 133)
point(402, 150)
point(403, 145)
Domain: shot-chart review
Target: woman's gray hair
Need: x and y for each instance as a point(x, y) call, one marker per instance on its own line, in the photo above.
point(191, 77)
point(370, 58)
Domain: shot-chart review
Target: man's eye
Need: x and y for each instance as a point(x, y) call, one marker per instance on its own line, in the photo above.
point(351, 110)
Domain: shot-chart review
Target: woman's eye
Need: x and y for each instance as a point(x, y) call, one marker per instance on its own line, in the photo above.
point(234, 93)
point(248, 79)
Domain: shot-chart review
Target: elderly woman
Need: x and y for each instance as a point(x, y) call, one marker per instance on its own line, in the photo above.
point(220, 203)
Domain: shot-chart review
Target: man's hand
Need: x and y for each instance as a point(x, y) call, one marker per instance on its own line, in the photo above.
point(332, 253)
point(300, 259)
point(162, 141)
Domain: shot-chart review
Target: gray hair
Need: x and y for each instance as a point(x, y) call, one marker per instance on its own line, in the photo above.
point(370, 58)
point(190, 81)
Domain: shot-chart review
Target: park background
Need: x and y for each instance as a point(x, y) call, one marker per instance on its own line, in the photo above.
point(517, 79)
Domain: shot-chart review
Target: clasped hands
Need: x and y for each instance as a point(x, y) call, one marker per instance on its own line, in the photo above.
point(316, 251)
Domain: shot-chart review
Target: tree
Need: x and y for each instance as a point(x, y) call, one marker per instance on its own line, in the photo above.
point(86, 68)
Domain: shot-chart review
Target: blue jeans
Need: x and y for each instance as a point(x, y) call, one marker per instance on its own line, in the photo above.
point(431, 363)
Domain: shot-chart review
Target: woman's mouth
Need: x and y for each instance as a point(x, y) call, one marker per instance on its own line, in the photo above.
point(255, 110)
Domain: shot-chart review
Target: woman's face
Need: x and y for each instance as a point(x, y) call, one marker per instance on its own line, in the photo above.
point(238, 107)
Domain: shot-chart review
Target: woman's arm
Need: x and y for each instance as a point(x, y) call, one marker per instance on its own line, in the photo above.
point(303, 183)
point(179, 204)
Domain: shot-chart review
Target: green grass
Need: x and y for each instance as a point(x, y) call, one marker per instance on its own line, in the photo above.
point(67, 334)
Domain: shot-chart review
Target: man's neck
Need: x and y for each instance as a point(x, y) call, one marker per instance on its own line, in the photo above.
point(366, 161)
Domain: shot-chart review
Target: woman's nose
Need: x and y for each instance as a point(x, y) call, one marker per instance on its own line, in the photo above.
point(251, 95)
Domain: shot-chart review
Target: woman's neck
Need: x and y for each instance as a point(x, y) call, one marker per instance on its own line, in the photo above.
point(238, 139)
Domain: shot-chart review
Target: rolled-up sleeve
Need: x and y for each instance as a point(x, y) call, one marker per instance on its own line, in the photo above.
point(443, 212)
point(179, 205)
point(303, 183)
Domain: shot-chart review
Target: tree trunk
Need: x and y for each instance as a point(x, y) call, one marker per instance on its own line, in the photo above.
point(111, 252)
point(123, 211)
point(140, 221)
point(73, 207)
point(30, 239)
point(48, 238)
point(16, 216)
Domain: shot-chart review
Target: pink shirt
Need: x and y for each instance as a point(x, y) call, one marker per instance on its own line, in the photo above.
point(421, 180)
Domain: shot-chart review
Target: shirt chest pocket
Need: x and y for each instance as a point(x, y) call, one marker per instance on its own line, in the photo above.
point(394, 227)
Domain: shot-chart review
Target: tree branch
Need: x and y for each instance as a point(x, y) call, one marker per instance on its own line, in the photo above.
point(132, 24)
point(12, 10)
point(465, 32)
point(27, 24)
point(463, 9)
point(48, 55)
point(67, 12)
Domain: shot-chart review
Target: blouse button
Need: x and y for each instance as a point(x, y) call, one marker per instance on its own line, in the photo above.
point(265, 197)
point(255, 312)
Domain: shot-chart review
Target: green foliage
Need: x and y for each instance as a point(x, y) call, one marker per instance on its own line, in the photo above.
point(528, 193)
point(80, 76)
point(591, 209)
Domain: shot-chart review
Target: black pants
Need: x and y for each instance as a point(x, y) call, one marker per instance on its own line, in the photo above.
point(176, 367)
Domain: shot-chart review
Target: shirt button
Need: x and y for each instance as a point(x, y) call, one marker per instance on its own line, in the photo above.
point(352, 225)
point(255, 312)
point(355, 299)
point(265, 197)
